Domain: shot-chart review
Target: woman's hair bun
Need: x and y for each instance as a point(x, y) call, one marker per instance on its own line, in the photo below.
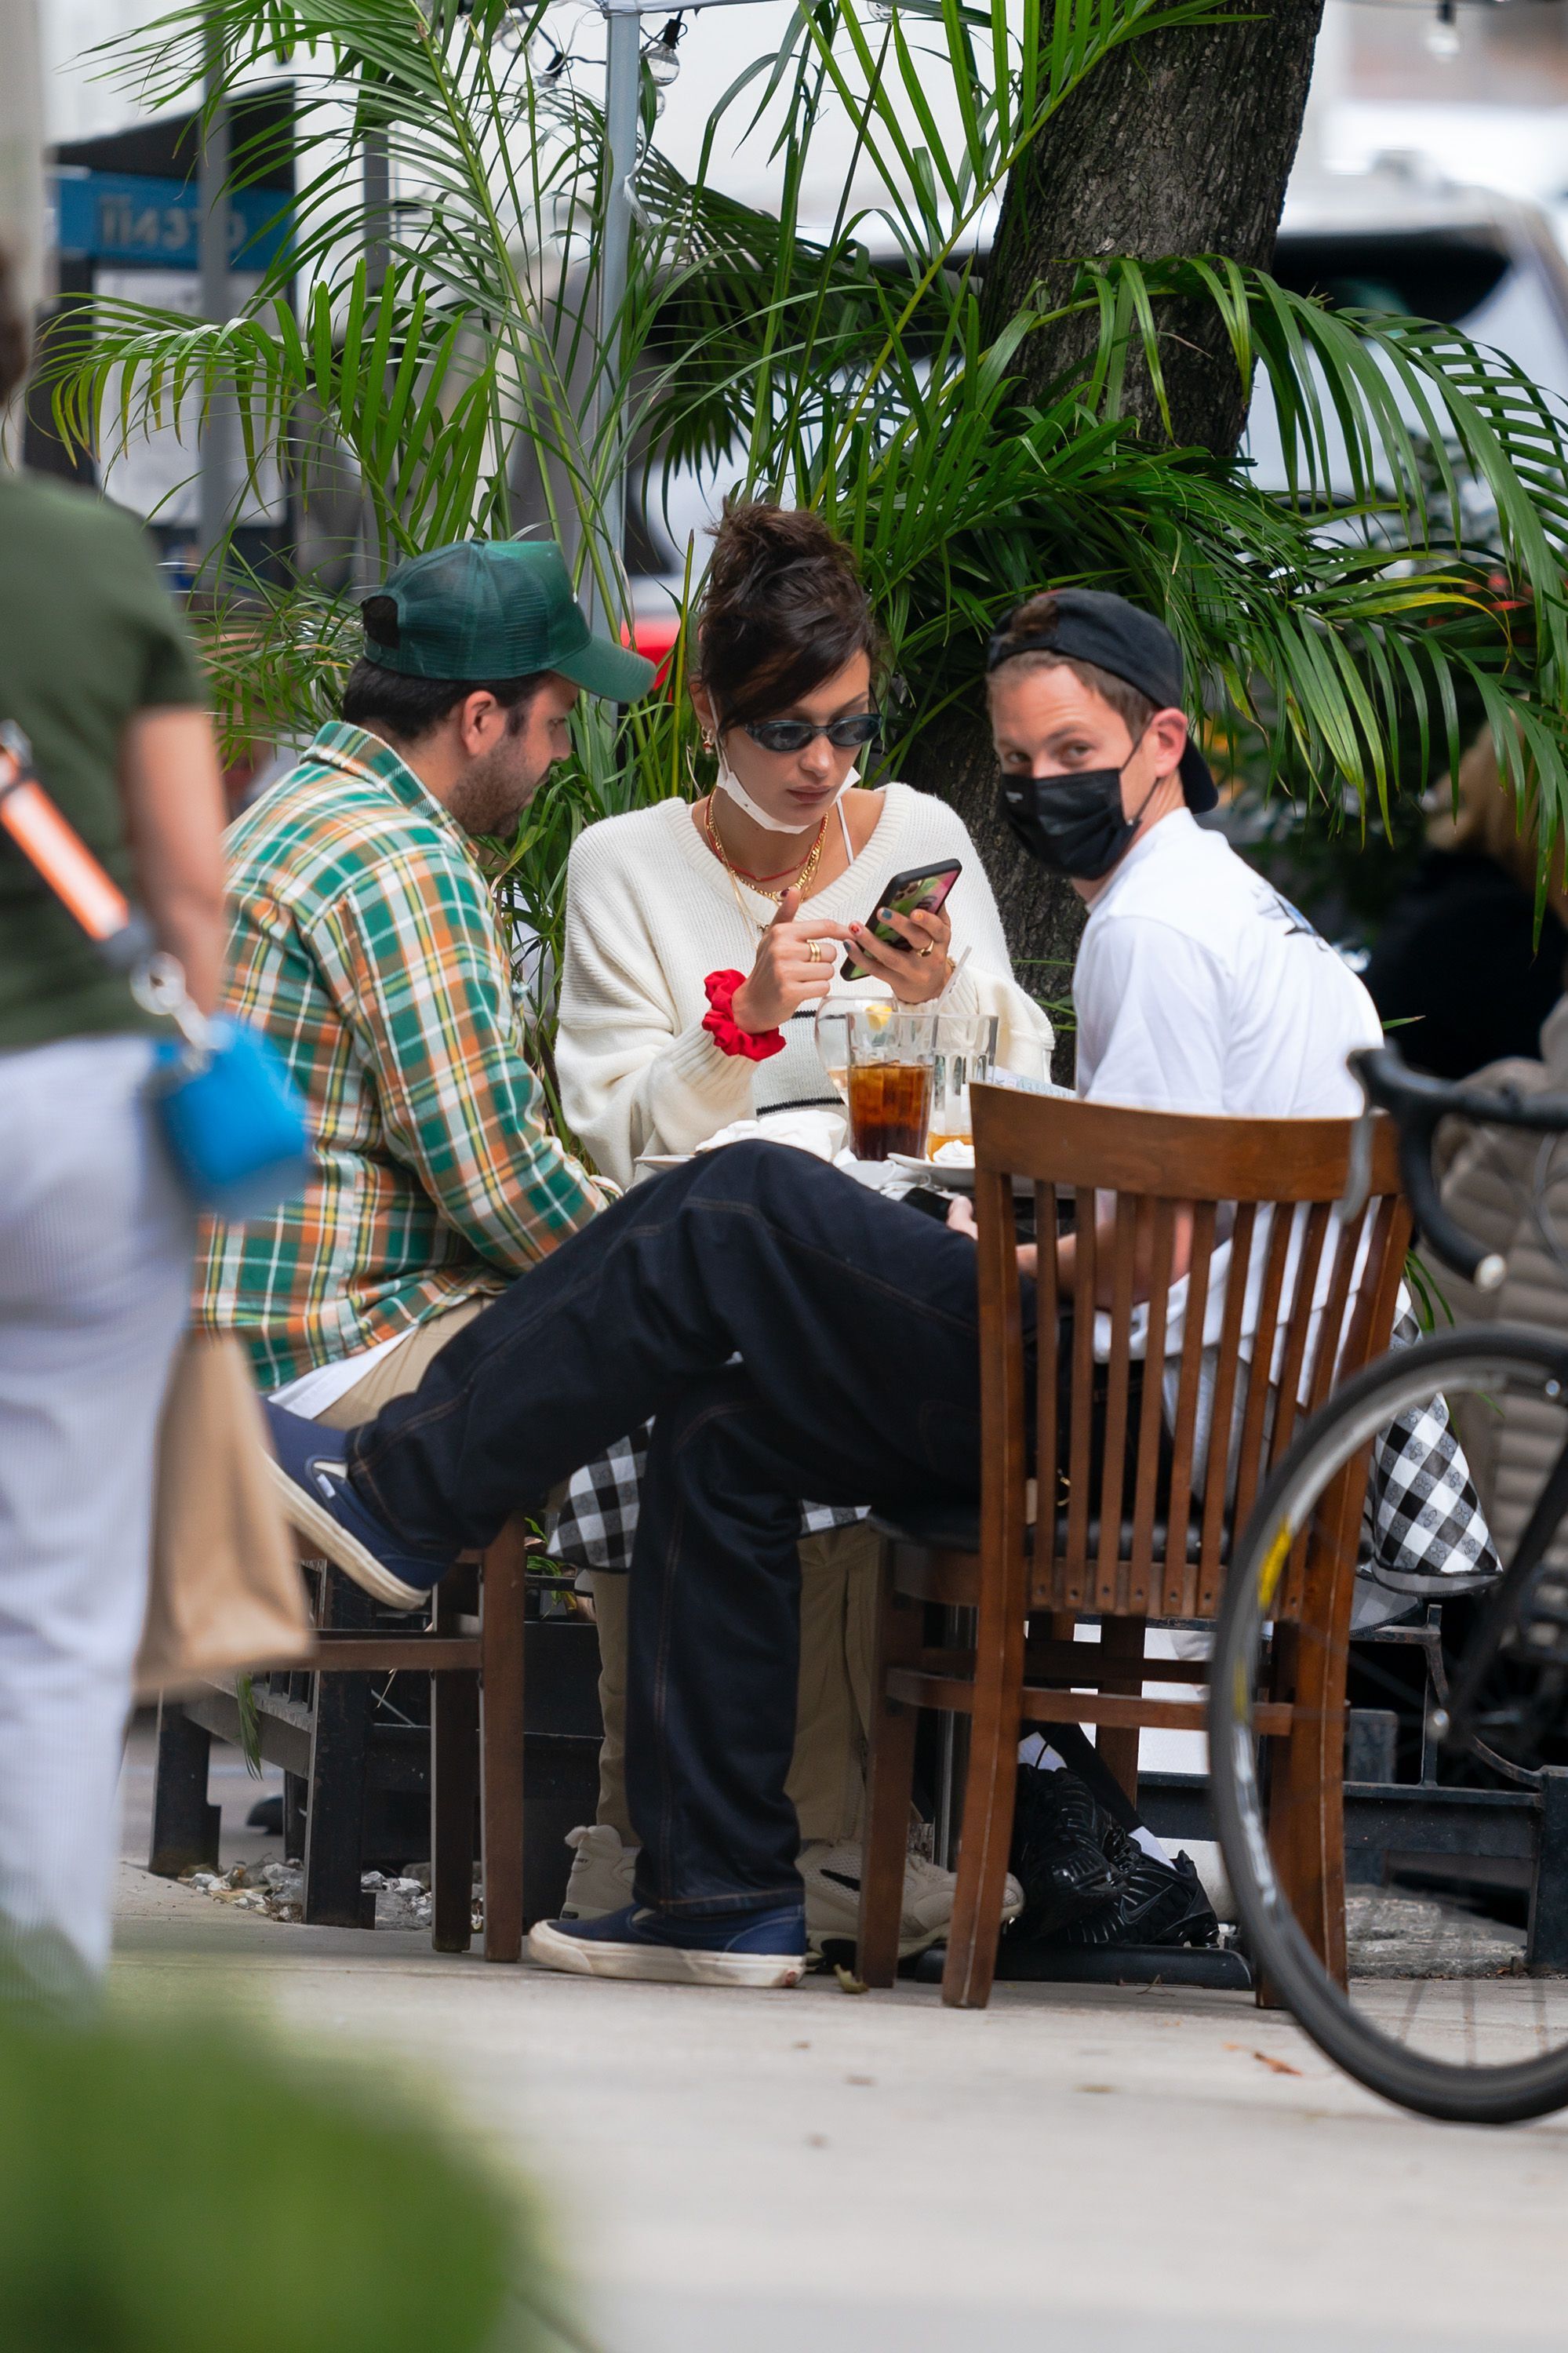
point(782, 609)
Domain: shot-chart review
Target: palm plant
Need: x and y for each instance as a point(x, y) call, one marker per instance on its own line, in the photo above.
point(445, 341)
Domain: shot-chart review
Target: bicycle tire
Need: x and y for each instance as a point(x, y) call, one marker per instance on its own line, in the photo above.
point(1508, 2093)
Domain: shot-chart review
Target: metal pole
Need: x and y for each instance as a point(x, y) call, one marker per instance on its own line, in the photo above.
point(375, 167)
point(21, 178)
point(377, 170)
point(218, 439)
point(622, 103)
point(623, 95)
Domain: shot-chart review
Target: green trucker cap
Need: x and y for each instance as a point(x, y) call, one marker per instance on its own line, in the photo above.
point(495, 608)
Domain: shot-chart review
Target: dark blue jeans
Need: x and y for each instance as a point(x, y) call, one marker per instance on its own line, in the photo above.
point(855, 1323)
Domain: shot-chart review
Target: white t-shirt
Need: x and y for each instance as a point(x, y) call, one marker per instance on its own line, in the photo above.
point(311, 1392)
point(1198, 989)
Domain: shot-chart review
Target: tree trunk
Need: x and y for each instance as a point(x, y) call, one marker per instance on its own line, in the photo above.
point(1179, 143)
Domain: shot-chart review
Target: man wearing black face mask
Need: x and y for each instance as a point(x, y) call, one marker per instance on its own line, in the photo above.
point(1197, 987)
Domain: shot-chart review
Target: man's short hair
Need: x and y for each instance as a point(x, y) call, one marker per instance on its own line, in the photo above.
point(1038, 618)
point(411, 708)
point(12, 330)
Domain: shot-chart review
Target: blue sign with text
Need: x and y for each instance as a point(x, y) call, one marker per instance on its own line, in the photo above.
point(156, 223)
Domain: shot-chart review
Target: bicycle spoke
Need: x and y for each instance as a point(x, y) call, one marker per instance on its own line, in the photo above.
point(1438, 2006)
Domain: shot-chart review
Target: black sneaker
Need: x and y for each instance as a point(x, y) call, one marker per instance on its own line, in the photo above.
point(1155, 1902)
point(1059, 1856)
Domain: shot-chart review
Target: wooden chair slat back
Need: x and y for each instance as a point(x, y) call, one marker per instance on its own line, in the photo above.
point(1255, 1419)
point(1056, 1140)
point(1152, 1410)
point(1151, 1444)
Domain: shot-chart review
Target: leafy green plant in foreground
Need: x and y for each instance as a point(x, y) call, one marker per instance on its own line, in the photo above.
point(178, 2188)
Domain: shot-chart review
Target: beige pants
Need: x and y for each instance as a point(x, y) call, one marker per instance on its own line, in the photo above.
point(402, 1369)
point(838, 1632)
point(838, 1629)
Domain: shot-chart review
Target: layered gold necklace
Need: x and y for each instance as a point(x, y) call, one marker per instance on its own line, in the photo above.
point(812, 860)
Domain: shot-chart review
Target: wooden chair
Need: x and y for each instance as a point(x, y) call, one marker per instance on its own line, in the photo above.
point(473, 1656)
point(318, 1724)
point(1134, 1518)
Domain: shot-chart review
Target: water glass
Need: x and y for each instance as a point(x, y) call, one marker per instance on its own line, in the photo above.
point(965, 1057)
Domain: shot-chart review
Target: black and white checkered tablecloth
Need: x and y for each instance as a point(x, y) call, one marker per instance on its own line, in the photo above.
point(1422, 1514)
point(595, 1528)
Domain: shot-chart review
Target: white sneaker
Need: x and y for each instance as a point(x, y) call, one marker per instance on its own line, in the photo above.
point(600, 1880)
point(831, 1874)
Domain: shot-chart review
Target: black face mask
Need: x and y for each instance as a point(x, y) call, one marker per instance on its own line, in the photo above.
point(1073, 823)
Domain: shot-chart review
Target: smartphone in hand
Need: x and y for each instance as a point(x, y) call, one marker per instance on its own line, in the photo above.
point(926, 887)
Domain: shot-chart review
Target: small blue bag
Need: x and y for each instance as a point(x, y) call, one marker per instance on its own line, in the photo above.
point(234, 1122)
point(232, 1118)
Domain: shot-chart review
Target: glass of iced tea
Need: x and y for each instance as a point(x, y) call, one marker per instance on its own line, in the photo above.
point(891, 1063)
point(966, 1057)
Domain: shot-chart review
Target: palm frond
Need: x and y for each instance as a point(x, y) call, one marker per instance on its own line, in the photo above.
point(446, 352)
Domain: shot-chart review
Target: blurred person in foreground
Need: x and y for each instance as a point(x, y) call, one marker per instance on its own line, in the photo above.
point(96, 1231)
point(1458, 964)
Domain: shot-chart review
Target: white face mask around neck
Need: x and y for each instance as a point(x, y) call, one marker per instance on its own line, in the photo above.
point(728, 782)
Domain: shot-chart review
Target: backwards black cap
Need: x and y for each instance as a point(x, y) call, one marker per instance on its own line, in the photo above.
point(1093, 625)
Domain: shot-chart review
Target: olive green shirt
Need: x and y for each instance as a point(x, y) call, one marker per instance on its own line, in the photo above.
point(88, 637)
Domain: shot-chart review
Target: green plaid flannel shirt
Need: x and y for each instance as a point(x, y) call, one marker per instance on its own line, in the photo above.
point(365, 941)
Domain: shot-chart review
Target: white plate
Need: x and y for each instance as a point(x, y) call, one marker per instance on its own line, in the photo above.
point(949, 1179)
point(945, 1173)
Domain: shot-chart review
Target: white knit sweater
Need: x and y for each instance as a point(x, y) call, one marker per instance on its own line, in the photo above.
point(650, 913)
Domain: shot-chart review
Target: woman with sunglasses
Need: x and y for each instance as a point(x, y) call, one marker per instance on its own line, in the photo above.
point(701, 935)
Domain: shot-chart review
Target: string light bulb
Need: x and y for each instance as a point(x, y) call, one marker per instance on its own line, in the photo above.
point(1443, 33)
point(659, 56)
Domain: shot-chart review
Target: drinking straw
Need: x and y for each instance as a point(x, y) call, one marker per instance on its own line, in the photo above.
point(955, 972)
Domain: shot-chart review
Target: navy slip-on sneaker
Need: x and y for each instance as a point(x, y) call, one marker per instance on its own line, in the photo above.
point(746, 1948)
point(312, 1479)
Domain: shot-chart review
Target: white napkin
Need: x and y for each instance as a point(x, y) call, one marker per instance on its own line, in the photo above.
point(823, 1134)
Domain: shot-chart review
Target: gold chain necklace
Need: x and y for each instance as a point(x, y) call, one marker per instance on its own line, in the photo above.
point(808, 867)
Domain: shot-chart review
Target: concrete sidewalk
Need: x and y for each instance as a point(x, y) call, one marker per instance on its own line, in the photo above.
point(1072, 2169)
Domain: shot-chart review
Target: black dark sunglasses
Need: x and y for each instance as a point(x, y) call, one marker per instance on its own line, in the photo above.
point(794, 735)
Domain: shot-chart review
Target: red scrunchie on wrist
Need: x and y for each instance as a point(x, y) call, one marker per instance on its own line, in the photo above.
point(726, 1031)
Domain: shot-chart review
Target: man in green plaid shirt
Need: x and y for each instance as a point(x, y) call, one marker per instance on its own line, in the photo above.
point(364, 940)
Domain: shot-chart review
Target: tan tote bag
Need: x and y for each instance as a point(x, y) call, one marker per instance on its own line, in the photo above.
point(226, 1593)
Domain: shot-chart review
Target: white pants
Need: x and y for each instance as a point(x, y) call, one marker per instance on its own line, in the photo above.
point(95, 1266)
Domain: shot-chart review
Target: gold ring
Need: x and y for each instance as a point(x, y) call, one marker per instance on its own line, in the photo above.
point(930, 949)
point(813, 952)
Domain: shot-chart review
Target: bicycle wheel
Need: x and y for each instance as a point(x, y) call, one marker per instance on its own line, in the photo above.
point(1443, 2010)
